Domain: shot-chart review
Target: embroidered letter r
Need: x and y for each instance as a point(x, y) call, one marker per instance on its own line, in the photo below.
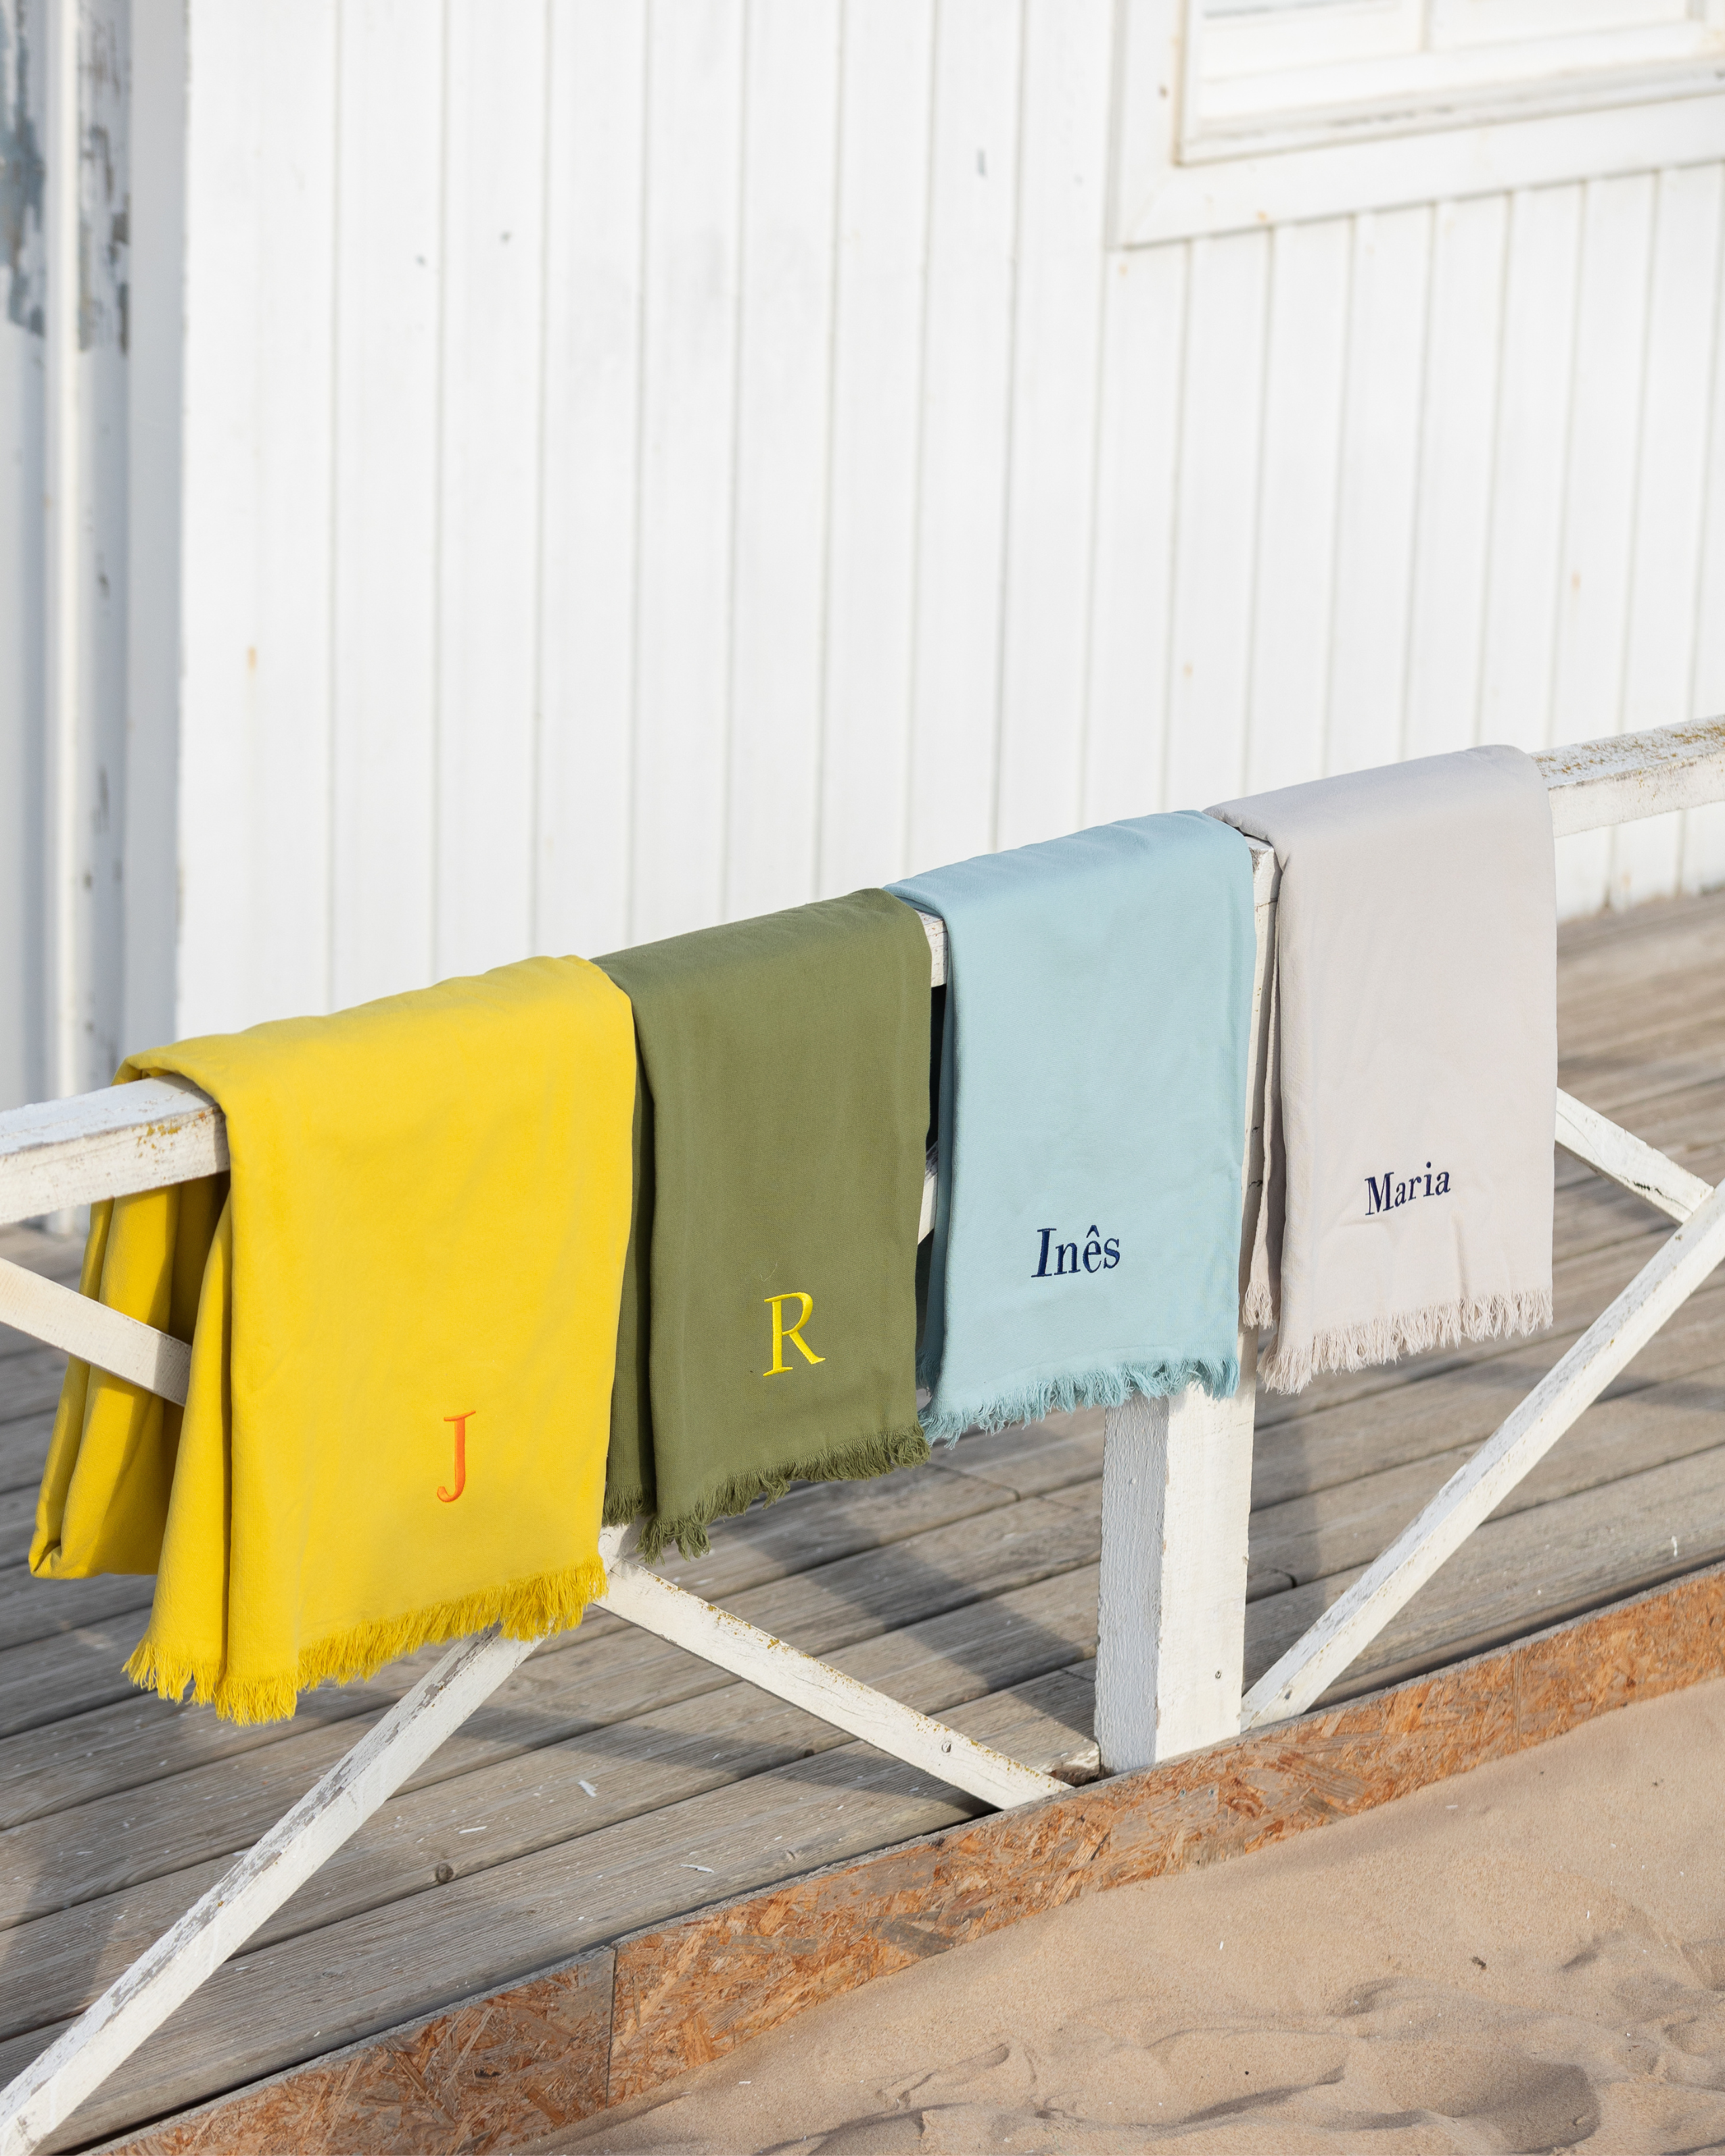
point(782, 1332)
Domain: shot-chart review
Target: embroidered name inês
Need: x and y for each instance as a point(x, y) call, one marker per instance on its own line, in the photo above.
point(1384, 1195)
point(1097, 1257)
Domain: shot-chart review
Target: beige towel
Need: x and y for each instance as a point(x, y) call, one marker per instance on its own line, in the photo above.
point(1407, 1193)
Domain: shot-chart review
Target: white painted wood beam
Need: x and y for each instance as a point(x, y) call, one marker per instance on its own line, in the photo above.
point(935, 929)
point(138, 2002)
point(670, 1613)
point(1627, 1160)
point(62, 495)
point(1474, 1492)
point(84, 1327)
point(1176, 1499)
point(57, 1154)
point(1625, 777)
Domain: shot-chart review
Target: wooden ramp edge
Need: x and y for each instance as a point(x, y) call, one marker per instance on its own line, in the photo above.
point(522, 2064)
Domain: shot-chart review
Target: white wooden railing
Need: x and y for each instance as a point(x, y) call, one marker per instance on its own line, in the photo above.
point(1176, 1495)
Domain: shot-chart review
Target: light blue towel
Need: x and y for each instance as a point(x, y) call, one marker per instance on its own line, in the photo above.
point(1091, 1121)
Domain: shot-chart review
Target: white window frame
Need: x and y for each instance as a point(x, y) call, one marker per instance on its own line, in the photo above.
point(1177, 178)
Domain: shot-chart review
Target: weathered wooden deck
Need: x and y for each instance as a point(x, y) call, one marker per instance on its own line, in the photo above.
point(617, 1781)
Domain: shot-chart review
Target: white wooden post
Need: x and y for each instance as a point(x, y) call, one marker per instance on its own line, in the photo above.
point(1177, 1498)
point(1177, 1494)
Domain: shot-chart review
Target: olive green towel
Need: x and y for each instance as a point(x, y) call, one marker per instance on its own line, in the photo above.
point(768, 1331)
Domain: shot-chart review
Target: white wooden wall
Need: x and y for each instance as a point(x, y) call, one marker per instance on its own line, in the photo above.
point(635, 462)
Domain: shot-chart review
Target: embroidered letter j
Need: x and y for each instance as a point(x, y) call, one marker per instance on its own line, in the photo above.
point(460, 1421)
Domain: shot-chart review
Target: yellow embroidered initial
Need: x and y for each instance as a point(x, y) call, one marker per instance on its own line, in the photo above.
point(782, 1332)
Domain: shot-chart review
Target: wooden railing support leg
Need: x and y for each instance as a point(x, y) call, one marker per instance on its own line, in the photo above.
point(1177, 1494)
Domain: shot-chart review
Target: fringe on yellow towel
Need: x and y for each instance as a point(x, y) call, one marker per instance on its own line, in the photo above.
point(403, 1305)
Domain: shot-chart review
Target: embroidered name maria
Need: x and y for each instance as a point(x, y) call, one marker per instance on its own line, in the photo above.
point(1379, 1194)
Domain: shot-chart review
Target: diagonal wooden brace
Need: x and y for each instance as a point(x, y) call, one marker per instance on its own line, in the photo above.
point(1474, 1492)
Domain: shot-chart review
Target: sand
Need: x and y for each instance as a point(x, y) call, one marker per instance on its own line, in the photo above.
point(1528, 1957)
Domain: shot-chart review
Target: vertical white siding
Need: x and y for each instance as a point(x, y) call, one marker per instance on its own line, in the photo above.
point(633, 463)
point(62, 817)
point(23, 595)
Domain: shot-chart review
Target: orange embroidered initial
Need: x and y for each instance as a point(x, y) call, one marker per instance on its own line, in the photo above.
point(460, 1421)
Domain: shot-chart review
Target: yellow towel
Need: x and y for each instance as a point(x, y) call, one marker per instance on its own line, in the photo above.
point(406, 1320)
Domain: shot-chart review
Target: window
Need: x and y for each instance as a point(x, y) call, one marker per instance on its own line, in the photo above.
point(1289, 108)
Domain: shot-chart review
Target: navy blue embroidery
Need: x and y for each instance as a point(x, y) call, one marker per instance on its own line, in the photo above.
point(1094, 1255)
point(1384, 1195)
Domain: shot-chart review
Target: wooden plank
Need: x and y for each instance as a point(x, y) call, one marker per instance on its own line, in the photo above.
point(30, 1382)
point(1621, 1235)
point(588, 1773)
point(683, 559)
point(1339, 1528)
point(1685, 1124)
point(1665, 591)
point(1335, 1641)
point(1300, 466)
point(80, 1326)
point(1051, 425)
point(59, 1256)
point(1336, 1446)
point(1138, 466)
point(1628, 1161)
point(59, 216)
point(1374, 522)
point(256, 566)
point(595, 201)
point(966, 331)
point(58, 1154)
point(23, 596)
point(1704, 828)
point(1617, 1082)
point(86, 2055)
point(1532, 443)
point(1604, 782)
point(878, 248)
point(721, 1637)
point(151, 593)
point(64, 1672)
point(1176, 1492)
point(1220, 418)
point(1544, 1565)
point(772, 802)
point(390, 282)
point(490, 449)
point(1598, 521)
point(592, 1681)
point(814, 1525)
point(23, 1446)
point(1588, 1024)
point(1032, 1458)
point(1457, 447)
